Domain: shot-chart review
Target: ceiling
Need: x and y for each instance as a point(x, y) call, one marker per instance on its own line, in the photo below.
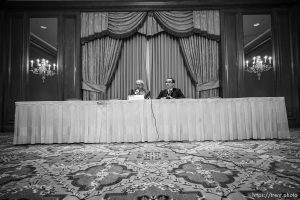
point(48, 34)
point(252, 32)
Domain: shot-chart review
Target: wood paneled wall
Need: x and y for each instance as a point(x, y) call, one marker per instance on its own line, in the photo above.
point(285, 38)
point(14, 67)
point(2, 36)
point(286, 76)
point(18, 85)
point(229, 66)
point(295, 50)
point(71, 56)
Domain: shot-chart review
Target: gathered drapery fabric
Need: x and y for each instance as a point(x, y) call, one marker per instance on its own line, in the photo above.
point(125, 24)
point(166, 61)
point(114, 24)
point(150, 27)
point(131, 67)
point(102, 36)
point(201, 57)
point(99, 59)
point(186, 23)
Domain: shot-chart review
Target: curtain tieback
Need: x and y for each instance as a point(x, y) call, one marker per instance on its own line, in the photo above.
point(93, 87)
point(208, 85)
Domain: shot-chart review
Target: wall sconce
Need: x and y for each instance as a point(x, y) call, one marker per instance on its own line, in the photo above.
point(42, 67)
point(258, 65)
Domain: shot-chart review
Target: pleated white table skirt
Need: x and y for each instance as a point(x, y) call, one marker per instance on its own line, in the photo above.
point(150, 120)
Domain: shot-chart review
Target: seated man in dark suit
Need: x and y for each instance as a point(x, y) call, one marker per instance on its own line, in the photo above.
point(170, 92)
point(140, 90)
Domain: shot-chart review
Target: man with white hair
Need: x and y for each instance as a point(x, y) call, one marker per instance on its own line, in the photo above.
point(140, 90)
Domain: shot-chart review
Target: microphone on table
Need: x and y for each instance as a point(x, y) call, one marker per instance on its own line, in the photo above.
point(136, 91)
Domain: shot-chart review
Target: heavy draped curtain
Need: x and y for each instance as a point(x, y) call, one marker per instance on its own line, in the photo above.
point(184, 25)
point(201, 56)
point(99, 59)
point(131, 67)
point(166, 61)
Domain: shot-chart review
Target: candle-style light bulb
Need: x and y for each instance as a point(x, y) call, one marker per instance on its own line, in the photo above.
point(42, 67)
point(259, 64)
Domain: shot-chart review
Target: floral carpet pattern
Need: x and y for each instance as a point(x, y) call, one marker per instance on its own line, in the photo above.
point(236, 170)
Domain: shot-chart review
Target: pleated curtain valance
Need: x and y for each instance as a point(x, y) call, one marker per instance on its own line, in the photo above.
point(124, 24)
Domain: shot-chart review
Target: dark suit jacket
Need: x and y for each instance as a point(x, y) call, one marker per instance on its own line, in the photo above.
point(176, 93)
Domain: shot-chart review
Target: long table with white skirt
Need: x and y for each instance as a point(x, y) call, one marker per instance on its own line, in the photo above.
point(109, 121)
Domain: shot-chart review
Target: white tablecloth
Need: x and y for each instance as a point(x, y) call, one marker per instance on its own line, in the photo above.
point(150, 120)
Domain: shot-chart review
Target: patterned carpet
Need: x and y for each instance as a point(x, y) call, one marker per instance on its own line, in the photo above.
point(237, 170)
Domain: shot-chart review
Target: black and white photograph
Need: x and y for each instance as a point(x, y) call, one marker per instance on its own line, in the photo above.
point(149, 100)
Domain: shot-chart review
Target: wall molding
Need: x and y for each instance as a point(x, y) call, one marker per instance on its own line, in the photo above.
point(42, 44)
point(141, 5)
point(257, 42)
